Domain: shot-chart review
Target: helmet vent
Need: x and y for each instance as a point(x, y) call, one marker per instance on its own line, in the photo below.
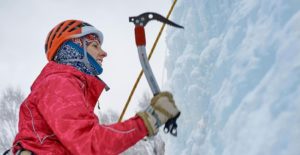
point(67, 27)
point(46, 45)
point(76, 27)
point(58, 30)
point(86, 24)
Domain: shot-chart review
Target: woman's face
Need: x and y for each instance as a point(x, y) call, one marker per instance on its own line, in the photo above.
point(95, 50)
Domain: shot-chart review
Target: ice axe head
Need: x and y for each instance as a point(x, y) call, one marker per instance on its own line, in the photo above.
point(144, 18)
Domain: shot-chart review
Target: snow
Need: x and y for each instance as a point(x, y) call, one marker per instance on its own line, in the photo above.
point(234, 71)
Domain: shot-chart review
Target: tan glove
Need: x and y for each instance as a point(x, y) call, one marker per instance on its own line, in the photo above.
point(161, 109)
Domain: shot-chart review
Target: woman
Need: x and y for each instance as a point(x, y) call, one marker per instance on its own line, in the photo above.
point(57, 117)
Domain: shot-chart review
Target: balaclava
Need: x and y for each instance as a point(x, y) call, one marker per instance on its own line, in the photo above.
point(73, 52)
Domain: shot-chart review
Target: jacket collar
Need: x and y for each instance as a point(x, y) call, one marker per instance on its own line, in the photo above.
point(93, 84)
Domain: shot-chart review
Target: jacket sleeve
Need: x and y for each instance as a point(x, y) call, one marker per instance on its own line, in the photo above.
point(63, 106)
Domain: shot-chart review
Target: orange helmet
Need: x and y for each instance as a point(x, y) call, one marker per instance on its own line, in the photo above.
point(67, 30)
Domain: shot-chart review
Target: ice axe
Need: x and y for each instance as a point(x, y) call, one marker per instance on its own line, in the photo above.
point(140, 39)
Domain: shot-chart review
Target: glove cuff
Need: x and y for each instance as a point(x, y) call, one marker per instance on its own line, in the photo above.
point(150, 122)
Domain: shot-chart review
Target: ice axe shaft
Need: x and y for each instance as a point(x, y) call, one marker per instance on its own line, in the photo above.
point(140, 38)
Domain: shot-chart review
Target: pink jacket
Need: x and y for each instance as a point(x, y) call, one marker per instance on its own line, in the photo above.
point(57, 117)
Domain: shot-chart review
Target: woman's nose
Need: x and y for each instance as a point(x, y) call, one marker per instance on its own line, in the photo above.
point(103, 53)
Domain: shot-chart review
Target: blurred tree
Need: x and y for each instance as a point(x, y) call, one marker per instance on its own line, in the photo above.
point(147, 146)
point(10, 101)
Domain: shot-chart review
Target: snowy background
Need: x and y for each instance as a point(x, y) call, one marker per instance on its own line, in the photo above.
point(235, 72)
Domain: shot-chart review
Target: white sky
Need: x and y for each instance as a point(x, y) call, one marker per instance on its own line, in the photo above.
point(26, 23)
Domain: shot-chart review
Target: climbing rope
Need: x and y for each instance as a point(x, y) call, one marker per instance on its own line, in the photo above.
point(149, 57)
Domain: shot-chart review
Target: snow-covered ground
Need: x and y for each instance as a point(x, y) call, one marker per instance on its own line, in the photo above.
point(235, 73)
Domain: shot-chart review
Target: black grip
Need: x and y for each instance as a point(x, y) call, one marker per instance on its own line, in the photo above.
point(171, 125)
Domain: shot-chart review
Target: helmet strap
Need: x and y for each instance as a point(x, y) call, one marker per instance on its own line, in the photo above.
point(85, 57)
